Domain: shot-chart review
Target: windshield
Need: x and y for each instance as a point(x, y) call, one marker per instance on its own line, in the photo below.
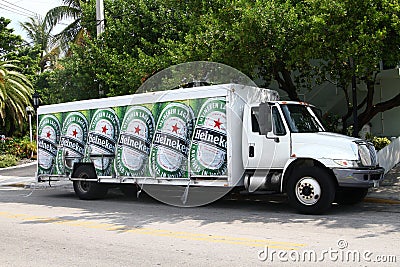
point(300, 119)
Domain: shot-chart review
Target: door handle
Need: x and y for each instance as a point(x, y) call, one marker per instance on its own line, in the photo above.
point(251, 151)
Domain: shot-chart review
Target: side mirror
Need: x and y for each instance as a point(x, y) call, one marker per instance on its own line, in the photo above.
point(265, 118)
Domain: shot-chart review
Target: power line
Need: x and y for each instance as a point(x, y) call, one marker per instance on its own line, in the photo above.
point(15, 11)
point(12, 8)
point(24, 10)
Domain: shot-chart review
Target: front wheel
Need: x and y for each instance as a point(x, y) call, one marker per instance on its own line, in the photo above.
point(311, 190)
point(85, 189)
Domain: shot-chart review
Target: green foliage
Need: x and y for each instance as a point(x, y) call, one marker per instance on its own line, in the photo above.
point(18, 147)
point(13, 49)
point(332, 123)
point(15, 93)
point(8, 41)
point(300, 44)
point(27, 59)
point(69, 10)
point(40, 35)
point(7, 161)
point(363, 32)
point(379, 142)
point(18, 67)
point(143, 37)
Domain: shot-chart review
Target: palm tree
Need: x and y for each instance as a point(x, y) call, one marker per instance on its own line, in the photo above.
point(15, 94)
point(70, 10)
point(40, 34)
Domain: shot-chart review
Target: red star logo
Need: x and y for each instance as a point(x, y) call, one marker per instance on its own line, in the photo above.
point(74, 132)
point(137, 129)
point(104, 129)
point(175, 128)
point(48, 134)
point(217, 124)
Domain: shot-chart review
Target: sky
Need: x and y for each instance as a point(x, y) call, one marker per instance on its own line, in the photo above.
point(20, 10)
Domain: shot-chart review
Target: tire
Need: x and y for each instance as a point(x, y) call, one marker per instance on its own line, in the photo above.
point(88, 190)
point(311, 190)
point(350, 196)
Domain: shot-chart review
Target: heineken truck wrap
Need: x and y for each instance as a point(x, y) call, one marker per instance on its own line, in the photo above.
point(220, 136)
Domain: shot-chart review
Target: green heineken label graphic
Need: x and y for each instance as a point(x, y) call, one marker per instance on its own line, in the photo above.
point(208, 146)
point(103, 132)
point(72, 141)
point(49, 131)
point(134, 142)
point(169, 153)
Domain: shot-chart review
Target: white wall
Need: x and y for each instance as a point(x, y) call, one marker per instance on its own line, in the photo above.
point(388, 122)
point(389, 156)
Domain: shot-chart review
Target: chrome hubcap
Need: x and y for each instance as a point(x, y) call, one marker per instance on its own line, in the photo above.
point(308, 191)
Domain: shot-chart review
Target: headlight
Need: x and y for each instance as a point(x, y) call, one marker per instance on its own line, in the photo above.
point(346, 163)
point(365, 157)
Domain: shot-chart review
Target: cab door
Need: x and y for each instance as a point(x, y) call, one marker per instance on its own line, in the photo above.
point(265, 151)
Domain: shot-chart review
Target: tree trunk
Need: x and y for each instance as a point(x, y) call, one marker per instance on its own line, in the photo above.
point(285, 81)
point(370, 112)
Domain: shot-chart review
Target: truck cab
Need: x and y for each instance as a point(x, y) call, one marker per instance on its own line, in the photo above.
point(286, 149)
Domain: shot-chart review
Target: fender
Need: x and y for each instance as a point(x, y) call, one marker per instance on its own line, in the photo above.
point(288, 163)
point(89, 165)
point(292, 162)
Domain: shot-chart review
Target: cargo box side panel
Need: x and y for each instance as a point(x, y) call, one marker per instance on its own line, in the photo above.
point(68, 137)
point(208, 149)
point(169, 149)
point(182, 138)
point(49, 134)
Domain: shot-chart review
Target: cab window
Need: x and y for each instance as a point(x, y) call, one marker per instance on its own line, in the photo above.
point(278, 127)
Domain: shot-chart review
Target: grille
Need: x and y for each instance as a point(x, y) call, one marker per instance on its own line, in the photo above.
point(372, 153)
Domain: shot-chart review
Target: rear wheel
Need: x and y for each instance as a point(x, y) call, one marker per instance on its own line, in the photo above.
point(311, 190)
point(88, 190)
point(349, 196)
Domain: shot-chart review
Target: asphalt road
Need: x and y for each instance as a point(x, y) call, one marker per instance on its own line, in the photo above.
point(52, 227)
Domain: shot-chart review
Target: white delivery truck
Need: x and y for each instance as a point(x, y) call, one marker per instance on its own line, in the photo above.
point(230, 136)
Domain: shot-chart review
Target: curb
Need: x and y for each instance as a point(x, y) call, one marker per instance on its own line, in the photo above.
point(21, 185)
point(19, 166)
point(381, 200)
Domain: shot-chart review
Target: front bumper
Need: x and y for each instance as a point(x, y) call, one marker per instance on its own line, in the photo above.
point(362, 178)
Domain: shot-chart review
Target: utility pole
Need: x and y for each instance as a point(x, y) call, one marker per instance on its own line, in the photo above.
point(354, 94)
point(100, 30)
point(99, 17)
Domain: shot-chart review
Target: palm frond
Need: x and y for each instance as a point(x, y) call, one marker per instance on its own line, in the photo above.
point(15, 92)
point(55, 15)
point(67, 35)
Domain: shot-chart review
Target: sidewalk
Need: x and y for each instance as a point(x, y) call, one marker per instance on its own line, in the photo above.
point(389, 189)
point(387, 192)
point(19, 176)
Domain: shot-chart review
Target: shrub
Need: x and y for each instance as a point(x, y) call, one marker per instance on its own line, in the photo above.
point(20, 148)
point(379, 142)
point(26, 148)
point(7, 160)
